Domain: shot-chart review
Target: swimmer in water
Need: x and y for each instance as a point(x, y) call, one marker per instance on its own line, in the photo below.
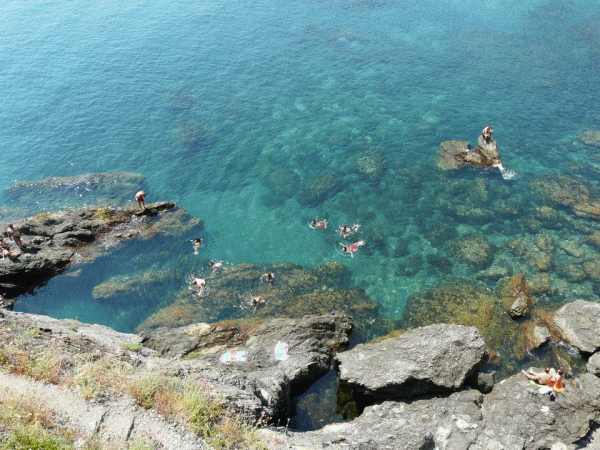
point(256, 300)
point(215, 265)
point(315, 223)
point(346, 231)
point(196, 243)
point(199, 283)
point(267, 277)
point(352, 248)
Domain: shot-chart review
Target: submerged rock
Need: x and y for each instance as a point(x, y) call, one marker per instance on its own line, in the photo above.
point(294, 293)
point(516, 296)
point(112, 188)
point(466, 303)
point(472, 248)
point(427, 360)
point(319, 189)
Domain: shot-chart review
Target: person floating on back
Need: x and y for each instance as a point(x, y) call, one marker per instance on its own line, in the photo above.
point(140, 198)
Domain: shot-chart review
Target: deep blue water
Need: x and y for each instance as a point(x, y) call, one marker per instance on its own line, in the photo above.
point(205, 97)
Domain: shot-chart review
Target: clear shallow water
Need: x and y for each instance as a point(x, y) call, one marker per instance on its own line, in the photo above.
point(208, 99)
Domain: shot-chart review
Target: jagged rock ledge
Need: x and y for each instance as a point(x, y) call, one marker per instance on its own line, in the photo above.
point(53, 241)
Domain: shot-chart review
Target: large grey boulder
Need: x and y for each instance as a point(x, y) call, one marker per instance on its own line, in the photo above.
point(432, 359)
point(263, 382)
point(593, 364)
point(579, 325)
point(515, 415)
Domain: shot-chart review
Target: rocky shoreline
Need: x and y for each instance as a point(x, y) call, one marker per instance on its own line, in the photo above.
point(431, 386)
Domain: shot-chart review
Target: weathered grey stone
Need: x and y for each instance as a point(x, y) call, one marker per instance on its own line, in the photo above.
point(49, 241)
point(515, 415)
point(262, 383)
point(593, 364)
point(579, 325)
point(539, 336)
point(519, 308)
point(436, 358)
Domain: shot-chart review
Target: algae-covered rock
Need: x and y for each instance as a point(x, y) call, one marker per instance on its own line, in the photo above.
point(466, 303)
point(538, 250)
point(372, 163)
point(447, 155)
point(131, 283)
point(516, 296)
point(280, 181)
point(192, 133)
point(295, 292)
point(592, 269)
point(319, 189)
point(472, 248)
point(562, 189)
point(590, 137)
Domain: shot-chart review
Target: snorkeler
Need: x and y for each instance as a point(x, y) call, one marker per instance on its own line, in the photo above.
point(346, 231)
point(196, 243)
point(315, 223)
point(269, 277)
point(487, 133)
point(352, 248)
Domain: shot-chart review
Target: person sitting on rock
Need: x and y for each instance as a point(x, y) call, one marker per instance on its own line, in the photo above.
point(315, 223)
point(140, 198)
point(7, 252)
point(14, 234)
point(487, 133)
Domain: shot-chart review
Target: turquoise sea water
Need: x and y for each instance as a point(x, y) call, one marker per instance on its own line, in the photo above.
point(229, 108)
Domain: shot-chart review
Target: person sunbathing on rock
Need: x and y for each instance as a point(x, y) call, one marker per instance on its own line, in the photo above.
point(541, 377)
point(7, 252)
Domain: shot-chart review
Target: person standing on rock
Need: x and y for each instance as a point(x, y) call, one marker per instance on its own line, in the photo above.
point(140, 198)
point(14, 234)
